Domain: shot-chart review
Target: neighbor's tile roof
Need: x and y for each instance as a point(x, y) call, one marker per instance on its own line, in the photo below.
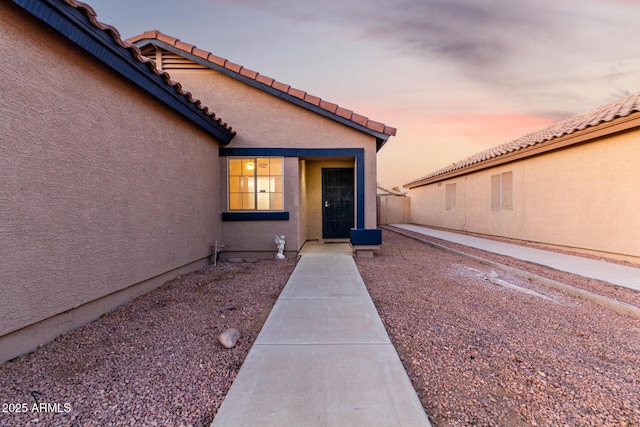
point(285, 88)
point(605, 113)
point(393, 192)
point(115, 35)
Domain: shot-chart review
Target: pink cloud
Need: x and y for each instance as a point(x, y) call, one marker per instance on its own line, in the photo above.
point(490, 129)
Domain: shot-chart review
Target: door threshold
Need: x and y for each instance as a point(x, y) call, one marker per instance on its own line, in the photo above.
point(331, 241)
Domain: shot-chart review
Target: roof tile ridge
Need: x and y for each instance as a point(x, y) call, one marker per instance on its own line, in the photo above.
point(627, 105)
point(90, 13)
point(621, 107)
point(188, 95)
point(268, 81)
point(606, 112)
point(489, 153)
point(636, 106)
point(631, 103)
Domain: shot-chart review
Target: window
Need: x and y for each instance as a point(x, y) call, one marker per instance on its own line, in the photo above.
point(450, 190)
point(502, 191)
point(255, 184)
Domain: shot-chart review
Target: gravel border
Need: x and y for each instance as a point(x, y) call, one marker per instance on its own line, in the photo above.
point(613, 304)
point(477, 353)
point(155, 361)
point(482, 354)
point(625, 295)
point(541, 246)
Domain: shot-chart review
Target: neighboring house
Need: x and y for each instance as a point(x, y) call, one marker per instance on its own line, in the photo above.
point(574, 184)
point(113, 179)
point(300, 166)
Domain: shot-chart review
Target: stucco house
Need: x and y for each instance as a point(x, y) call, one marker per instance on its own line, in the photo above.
point(574, 184)
point(95, 208)
point(114, 179)
point(300, 166)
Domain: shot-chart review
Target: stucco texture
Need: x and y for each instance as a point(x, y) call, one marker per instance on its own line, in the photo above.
point(265, 121)
point(101, 188)
point(583, 197)
point(251, 238)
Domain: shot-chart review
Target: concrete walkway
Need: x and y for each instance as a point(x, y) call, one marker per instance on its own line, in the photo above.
point(323, 358)
point(628, 277)
point(324, 248)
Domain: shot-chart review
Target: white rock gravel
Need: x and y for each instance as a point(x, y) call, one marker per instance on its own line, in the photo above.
point(153, 362)
point(481, 354)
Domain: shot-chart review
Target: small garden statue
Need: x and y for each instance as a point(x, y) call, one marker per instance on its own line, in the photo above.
point(280, 244)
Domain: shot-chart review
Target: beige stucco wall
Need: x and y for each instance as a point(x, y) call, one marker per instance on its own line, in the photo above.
point(393, 210)
point(256, 238)
point(584, 197)
point(103, 191)
point(263, 120)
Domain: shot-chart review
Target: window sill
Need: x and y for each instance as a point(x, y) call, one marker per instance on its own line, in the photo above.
point(255, 216)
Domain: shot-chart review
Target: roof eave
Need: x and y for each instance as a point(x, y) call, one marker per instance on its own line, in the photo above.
point(380, 142)
point(72, 23)
point(381, 137)
point(589, 134)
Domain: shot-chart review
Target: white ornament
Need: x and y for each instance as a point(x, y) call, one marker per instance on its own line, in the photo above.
point(280, 244)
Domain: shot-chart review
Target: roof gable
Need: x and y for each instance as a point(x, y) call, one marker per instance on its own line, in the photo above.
point(600, 116)
point(266, 84)
point(78, 22)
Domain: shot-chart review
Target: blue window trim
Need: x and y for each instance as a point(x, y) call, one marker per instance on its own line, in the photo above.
point(260, 213)
point(70, 22)
point(255, 216)
point(381, 138)
point(358, 153)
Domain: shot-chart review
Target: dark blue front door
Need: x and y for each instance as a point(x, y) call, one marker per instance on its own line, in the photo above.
point(337, 202)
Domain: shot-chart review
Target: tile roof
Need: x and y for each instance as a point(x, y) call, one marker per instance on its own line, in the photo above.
point(392, 192)
point(268, 81)
point(91, 15)
point(605, 113)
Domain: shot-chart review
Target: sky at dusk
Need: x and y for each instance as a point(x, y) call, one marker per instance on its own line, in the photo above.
point(453, 76)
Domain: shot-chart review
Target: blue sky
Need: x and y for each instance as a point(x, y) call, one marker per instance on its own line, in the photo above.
point(454, 76)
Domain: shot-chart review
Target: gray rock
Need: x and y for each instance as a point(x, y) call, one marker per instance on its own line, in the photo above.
point(251, 259)
point(229, 338)
point(235, 260)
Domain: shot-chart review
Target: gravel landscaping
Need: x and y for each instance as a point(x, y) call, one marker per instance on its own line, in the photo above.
point(477, 353)
point(625, 295)
point(153, 362)
point(481, 354)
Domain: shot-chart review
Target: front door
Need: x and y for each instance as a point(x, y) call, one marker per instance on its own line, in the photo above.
point(337, 202)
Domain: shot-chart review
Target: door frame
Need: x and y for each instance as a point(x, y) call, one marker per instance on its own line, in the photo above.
point(357, 153)
point(352, 187)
